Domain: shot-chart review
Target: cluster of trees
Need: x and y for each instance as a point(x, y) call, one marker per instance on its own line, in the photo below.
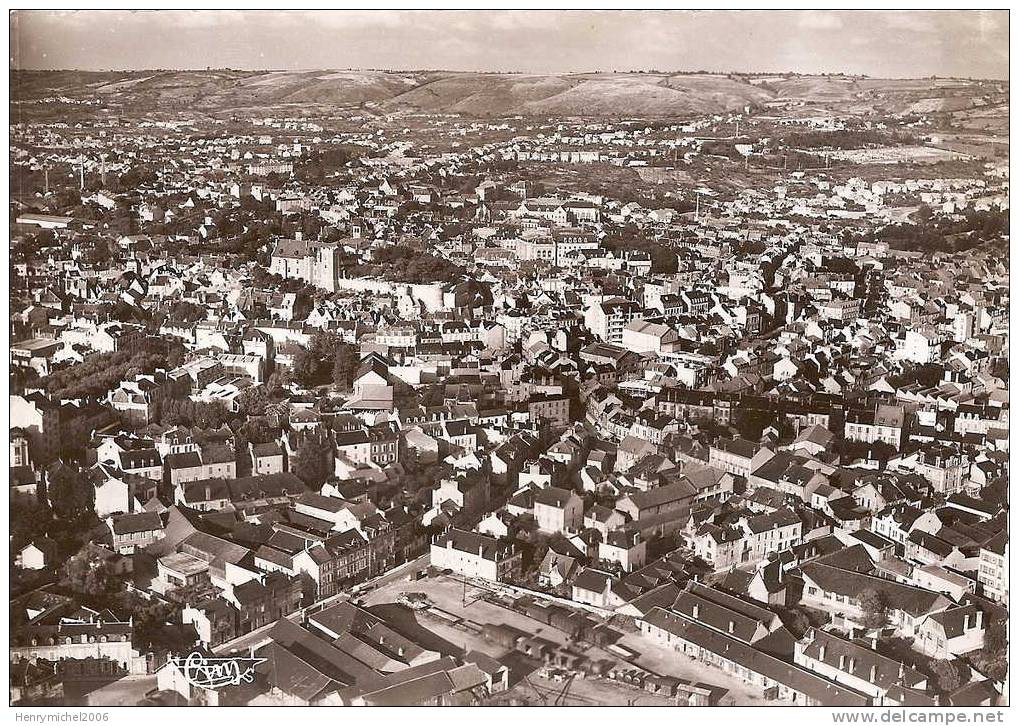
point(853, 450)
point(932, 233)
point(71, 516)
point(327, 359)
point(99, 373)
point(254, 401)
point(323, 161)
point(874, 604)
point(157, 627)
point(185, 412)
point(125, 312)
point(87, 574)
point(845, 139)
point(663, 259)
point(992, 659)
point(264, 279)
point(403, 264)
point(257, 430)
point(313, 461)
point(186, 312)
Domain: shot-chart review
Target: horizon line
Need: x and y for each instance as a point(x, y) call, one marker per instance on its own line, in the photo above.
point(633, 71)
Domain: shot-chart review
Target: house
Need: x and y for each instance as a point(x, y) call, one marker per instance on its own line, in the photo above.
point(643, 336)
point(885, 423)
point(267, 458)
point(858, 667)
point(214, 620)
point(938, 579)
point(608, 319)
point(951, 633)
point(789, 474)
point(715, 642)
point(659, 510)
point(88, 635)
point(626, 548)
point(557, 569)
point(496, 674)
point(738, 456)
point(118, 492)
point(38, 554)
point(898, 521)
point(603, 519)
point(475, 555)
point(993, 569)
point(36, 354)
point(469, 493)
point(558, 510)
point(132, 532)
point(838, 592)
point(593, 587)
point(372, 384)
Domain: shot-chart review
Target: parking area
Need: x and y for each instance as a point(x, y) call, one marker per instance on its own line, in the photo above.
point(458, 612)
point(669, 662)
point(447, 597)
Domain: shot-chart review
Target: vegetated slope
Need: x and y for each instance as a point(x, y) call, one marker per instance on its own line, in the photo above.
point(480, 93)
point(888, 95)
point(649, 95)
point(492, 94)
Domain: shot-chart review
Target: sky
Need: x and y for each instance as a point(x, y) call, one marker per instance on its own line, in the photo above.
point(877, 43)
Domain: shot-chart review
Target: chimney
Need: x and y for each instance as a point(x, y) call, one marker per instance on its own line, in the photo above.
point(979, 618)
point(821, 652)
point(732, 627)
point(968, 622)
point(873, 674)
point(696, 610)
point(842, 662)
point(852, 664)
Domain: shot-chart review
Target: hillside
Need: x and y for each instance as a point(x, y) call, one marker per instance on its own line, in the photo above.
point(483, 94)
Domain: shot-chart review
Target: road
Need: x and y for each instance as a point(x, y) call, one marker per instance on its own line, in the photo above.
point(255, 638)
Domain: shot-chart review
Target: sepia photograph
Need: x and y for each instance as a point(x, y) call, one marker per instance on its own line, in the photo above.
point(557, 358)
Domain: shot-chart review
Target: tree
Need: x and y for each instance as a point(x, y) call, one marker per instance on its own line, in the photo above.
point(71, 496)
point(312, 462)
point(874, 604)
point(187, 312)
point(156, 627)
point(90, 576)
point(306, 367)
point(345, 366)
point(796, 621)
point(946, 675)
point(29, 519)
point(996, 639)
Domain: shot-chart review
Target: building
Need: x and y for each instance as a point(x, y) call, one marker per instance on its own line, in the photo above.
point(558, 510)
point(608, 319)
point(993, 568)
point(738, 456)
point(886, 423)
point(316, 263)
point(475, 555)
